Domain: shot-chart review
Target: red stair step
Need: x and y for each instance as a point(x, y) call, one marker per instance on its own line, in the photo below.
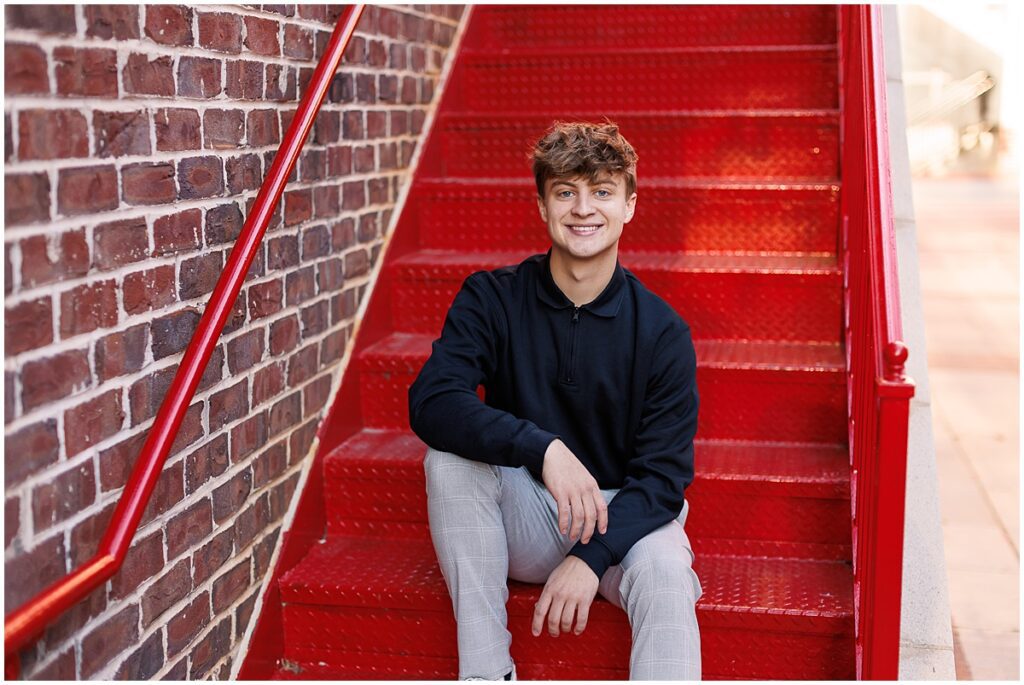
point(674, 215)
point(792, 144)
point(747, 391)
point(773, 77)
point(772, 499)
point(364, 595)
point(503, 28)
point(724, 296)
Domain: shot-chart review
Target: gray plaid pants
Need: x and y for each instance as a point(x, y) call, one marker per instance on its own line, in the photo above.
point(489, 523)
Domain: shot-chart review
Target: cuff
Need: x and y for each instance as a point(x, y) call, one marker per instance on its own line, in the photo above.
point(595, 554)
point(533, 447)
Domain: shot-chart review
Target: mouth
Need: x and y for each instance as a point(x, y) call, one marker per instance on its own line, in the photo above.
point(584, 229)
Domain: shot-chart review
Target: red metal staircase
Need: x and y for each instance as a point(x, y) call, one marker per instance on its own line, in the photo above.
point(734, 112)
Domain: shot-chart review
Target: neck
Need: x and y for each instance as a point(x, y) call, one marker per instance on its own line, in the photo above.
point(582, 281)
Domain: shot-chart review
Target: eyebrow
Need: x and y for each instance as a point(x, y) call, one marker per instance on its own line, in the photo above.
point(601, 181)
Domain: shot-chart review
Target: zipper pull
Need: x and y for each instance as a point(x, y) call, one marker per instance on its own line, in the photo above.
point(576, 315)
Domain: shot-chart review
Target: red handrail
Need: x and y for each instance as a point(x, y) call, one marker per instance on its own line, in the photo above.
point(879, 391)
point(27, 622)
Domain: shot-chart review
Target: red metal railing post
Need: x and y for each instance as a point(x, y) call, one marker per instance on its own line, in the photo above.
point(28, 621)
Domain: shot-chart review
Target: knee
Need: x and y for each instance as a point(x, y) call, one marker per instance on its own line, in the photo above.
point(655, 578)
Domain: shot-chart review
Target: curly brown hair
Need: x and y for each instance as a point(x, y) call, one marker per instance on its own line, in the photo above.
point(580, 148)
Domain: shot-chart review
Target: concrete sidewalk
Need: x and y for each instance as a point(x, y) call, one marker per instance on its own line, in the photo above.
point(968, 244)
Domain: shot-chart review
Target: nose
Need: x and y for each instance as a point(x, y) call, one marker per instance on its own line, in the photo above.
point(582, 205)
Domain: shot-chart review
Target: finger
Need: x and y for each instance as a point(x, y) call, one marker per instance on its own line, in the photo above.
point(591, 512)
point(582, 615)
point(563, 515)
point(539, 612)
point(602, 514)
point(579, 516)
point(568, 611)
point(554, 616)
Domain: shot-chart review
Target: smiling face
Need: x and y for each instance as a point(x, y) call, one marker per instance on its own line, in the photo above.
point(585, 217)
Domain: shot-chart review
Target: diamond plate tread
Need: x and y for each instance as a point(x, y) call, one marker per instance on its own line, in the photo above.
point(731, 296)
point(772, 594)
point(775, 144)
point(776, 77)
point(656, 26)
point(677, 214)
point(798, 470)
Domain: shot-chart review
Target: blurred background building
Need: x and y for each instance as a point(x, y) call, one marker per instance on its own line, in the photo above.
point(961, 73)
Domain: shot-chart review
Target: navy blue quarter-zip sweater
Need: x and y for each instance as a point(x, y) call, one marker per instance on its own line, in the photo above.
point(615, 379)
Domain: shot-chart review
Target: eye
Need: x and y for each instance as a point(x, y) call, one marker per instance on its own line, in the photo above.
point(564, 193)
point(603, 193)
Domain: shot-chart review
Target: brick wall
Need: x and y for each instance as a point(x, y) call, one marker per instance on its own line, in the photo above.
point(135, 139)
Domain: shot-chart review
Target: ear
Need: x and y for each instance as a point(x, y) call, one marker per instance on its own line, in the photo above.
point(543, 209)
point(630, 208)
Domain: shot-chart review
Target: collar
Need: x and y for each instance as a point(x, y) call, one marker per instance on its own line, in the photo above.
point(606, 304)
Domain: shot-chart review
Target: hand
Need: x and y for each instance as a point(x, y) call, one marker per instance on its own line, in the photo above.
point(570, 589)
point(575, 490)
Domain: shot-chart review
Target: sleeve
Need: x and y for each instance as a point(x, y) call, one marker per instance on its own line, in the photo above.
point(444, 408)
point(662, 464)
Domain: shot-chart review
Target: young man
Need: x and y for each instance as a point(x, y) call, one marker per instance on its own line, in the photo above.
point(572, 472)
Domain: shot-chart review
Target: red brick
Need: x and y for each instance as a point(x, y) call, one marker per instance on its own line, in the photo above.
point(342, 89)
point(326, 127)
point(223, 224)
point(144, 560)
point(299, 286)
point(243, 80)
point(121, 133)
point(191, 429)
point(177, 129)
point(369, 230)
point(285, 413)
point(339, 160)
point(353, 195)
point(25, 70)
point(88, 307)
point(261, 36)
point(366, 88)
point(231, 496)
point(230, 586)
point(144, 662)
point(356, 263)
point(363, 159)
point(107, 640)
point(184, 530)
point(86, 189)
point(280, 83)
point(223, 129)
point(143, 76)
point(147, 393)
point(209, 558)
point(248, 436)
point(244, 613)
point(112, 21)
point(315, 396)
point(199, 77)
point(169, 24)
point(63, 495)
point(52, 134)
point(116, 462)
point(85, 71)
point(267, 383)
point(167, 591)
point(200, 177)
point(265, 298)
point(178, 232)
point(121, 353)
point(262, 128)
point(229, 404)
point(418, 118)
point(298, 206)
point(270, 464)
point(283, 252)
point(12, 519)
point(93, 421)
point(28, 573)
point(44, 18)
point(326, 201)
point(399, 123)
point(198, 276)
point(330, 275)
point(252, 521)
point(29, 451)
point(117, 243)
point(49, 379)
point(332, 348)
point(243, 173)
point(209, 651)
point(173, 332)
point(168, 492)
point(298, 42)
point(314, 319)
point(206, 463)
point(377, 54)
point(313, 165)
point(149, 289)
point(302, 365)
point(378, 188)
point(28, 325)
point(220, 31)
point(388, 154)
point(352, 125)
point(245, 351)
